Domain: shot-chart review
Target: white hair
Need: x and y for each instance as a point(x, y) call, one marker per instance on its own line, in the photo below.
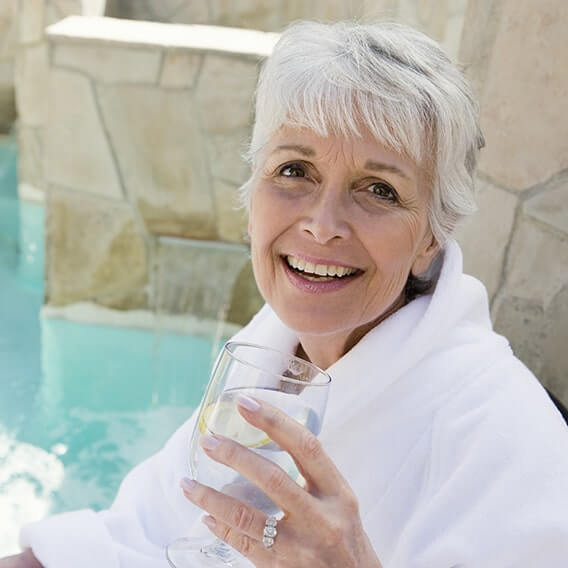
point(387, 78)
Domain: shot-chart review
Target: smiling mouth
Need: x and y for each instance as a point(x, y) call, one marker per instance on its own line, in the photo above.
point(319, 272)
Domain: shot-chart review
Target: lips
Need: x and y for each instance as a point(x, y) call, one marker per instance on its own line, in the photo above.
point(316, 272)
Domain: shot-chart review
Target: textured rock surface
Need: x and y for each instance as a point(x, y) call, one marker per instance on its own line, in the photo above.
point(77, 153)
point(108, 64)
point(161, 154)
point(8, 38)
point(95, 252)
point(196, 277)
point(526, 133)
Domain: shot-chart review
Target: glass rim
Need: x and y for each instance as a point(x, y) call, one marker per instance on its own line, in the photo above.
point(326, 376)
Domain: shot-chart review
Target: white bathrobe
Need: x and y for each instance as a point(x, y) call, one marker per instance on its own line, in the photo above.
point(456, 453)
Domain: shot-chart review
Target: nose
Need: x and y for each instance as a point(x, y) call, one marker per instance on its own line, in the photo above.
point(326, 218)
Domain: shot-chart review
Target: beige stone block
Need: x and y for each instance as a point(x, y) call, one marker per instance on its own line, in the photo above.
point(162, 158)
point(30, 156)
point(31, 75)
point(225, 93)
point(525, 96)
point(231, 219)
point(7, 107)
point(31, 20)
point(191, 12)
point(94, 251)
point(77, 153)
point(554, 372)
point(485, 236)
point(143, 9)
point(8, 28)
point(551, 206)
point(523, 323)
point(180, 69)
point(246, 299)
point(109, 63)
point(196, 277)
point(226, 153)
point(538, 337)
point(538, 258)
point(56, 10)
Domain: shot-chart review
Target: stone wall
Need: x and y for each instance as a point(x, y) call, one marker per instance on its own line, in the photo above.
point(145, 127)
point(442, 19)
point(518, 242)
point(32, 78)
point(142, 151)
point(8, 35)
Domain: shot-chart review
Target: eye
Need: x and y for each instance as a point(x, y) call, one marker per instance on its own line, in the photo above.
point(292, 170)
point(384, 191)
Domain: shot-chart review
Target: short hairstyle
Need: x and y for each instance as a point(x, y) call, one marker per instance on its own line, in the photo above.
point(388, 78)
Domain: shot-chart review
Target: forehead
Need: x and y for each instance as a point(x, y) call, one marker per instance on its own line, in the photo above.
point(354, 150)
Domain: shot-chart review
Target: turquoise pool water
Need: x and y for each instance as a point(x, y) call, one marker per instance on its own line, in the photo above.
point(80, 404)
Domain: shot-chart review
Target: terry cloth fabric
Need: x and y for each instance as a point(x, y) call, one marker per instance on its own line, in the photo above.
point(455, 451)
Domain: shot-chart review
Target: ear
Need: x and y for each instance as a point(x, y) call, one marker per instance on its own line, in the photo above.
point(428, 249)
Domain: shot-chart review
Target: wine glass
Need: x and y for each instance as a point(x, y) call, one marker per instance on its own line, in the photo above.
point(293, 385)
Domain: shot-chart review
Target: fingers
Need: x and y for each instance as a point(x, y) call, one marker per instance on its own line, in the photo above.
point(306, 450)
point(245, 519)
point(260, 471)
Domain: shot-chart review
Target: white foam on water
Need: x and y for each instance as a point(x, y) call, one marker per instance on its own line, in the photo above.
point(28, 478)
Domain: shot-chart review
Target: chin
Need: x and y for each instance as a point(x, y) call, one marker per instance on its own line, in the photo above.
point(310, 323)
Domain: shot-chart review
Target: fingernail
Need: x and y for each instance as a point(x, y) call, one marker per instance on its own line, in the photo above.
point(187, 484)
point(209, 442)
point(209, 521)
point(248, 403)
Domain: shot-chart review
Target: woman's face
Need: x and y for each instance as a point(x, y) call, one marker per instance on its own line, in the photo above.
point(336, 225)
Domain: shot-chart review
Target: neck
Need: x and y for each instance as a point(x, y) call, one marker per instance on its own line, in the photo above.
point(325, 350)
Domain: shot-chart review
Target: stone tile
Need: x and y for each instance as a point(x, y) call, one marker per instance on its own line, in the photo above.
point(109, 63)
point(484, 237)
point(56, 10)
point(8, 29)
point(554, 372)
point(226, 152)
point(246, 299)
point(94, 251)
point(192, 12)
point(31, 74)
point(523, 323)
point(231, 219)
point(181, 68)
point(77, 154)
point(31, 21)
point(185, 270)
point(7, 107)
point(537, 264)
point(162, 158)
point(143, 9)
point(30, 154)
point(225, 93)
point(551, 206)
point(525, 99)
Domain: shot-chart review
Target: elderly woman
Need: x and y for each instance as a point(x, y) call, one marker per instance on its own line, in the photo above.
point(440, 449)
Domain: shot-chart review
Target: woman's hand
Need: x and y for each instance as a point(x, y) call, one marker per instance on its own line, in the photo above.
point(321, 524)
point(24, 560)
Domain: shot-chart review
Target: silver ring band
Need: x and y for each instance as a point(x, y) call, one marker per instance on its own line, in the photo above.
point(270, 532)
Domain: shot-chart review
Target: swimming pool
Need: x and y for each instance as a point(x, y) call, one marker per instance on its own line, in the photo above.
point(80, 403)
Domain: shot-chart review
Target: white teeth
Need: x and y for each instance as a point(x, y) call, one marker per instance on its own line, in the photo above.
point(319, 269)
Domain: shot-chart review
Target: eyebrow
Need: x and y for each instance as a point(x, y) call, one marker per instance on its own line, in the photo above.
point(304, 150)
point(382, 167)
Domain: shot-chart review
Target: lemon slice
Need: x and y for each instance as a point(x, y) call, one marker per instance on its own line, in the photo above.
point(222, 417)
